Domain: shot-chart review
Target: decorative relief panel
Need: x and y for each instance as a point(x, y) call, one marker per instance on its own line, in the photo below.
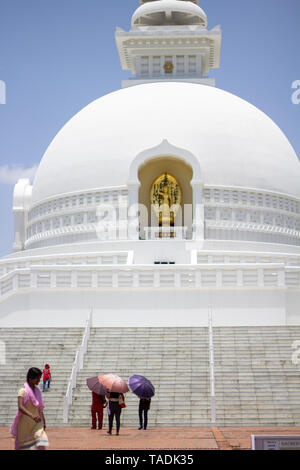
point(279, 221)
point(78, 219)
point(254, 217)
point(251, 198)
point(226, 214)
point(78, 200)
point(91, 217)
point(56, 222)
point(66, 220)
point(241, 215)
point(210, 213)
point(268, 219)
point(282, 216)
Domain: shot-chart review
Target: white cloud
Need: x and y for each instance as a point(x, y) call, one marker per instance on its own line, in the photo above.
point(11, 174)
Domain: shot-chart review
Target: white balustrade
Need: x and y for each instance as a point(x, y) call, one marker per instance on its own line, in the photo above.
point(77, 365)
point(220, 276)
point(211, 367)
point(87, 258)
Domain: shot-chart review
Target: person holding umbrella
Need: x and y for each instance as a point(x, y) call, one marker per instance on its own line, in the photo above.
point(117, 386)
point(98, 403)
point(115, 409)
point(143, 388)
point(144, 407)
point(98, 400)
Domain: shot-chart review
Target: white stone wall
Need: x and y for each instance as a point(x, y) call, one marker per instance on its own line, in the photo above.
point(140, 308)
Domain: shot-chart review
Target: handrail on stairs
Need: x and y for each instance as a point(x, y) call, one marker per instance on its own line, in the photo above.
point(77, 365)
point(211, 368)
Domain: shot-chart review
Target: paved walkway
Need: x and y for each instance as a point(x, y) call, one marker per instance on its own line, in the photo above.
point(195, 438)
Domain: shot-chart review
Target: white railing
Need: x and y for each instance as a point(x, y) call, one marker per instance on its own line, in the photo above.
point(75, 258)
point(77, 365)
point(211, 368)
point(206, 276)
point(235, 257)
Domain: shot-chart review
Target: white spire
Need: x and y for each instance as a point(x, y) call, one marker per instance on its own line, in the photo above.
point(168, 40)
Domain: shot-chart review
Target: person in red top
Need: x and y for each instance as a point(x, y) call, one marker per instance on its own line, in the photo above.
point(46, 377)
point(98, 404)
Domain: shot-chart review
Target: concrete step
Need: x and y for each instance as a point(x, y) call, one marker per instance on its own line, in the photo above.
point(171, 358)
point(255, 380)
point(28, 347)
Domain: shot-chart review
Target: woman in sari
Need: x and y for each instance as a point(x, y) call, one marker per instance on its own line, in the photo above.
point(28, 427)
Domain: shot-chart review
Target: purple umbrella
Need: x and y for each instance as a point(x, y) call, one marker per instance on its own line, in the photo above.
point(141, 386)
point(95, 386)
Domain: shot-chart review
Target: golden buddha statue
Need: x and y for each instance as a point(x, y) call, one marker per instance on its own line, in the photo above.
point(166, 216)
point(165, 197)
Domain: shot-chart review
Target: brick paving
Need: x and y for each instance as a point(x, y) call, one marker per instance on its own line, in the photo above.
point(193, 438)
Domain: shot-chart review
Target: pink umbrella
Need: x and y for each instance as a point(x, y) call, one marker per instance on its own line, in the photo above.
point(114, 383)
point(95, 386)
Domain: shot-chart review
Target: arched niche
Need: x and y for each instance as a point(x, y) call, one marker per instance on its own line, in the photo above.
point(182, 172)
point(155, 159)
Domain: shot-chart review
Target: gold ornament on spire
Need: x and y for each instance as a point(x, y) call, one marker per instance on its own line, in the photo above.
point(168, 66)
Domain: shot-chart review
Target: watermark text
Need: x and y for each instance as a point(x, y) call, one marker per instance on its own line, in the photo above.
point(296, 353)
point(2, 92)
point(2, 353)
point(296, 94)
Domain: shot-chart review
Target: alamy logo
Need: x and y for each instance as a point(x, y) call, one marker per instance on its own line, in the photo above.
point(296, 94)
point(2, 353)
point(2, 92)
point(296, 353)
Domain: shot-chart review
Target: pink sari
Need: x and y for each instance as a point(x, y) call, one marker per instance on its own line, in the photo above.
point(35, 396)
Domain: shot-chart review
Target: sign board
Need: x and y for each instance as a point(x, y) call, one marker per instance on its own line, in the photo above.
point(275, 442)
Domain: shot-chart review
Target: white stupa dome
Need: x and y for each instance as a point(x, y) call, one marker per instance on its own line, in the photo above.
point(169, 203)
point(236, 143)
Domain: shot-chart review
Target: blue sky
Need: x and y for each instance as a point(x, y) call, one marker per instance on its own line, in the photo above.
point(57, 56)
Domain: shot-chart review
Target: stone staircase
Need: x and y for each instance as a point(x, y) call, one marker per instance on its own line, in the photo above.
point(256, 380)
point(33, 347)
point(176, 360)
